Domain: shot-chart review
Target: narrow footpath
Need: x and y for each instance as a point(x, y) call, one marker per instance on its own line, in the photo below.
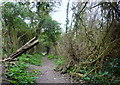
point(48, 75)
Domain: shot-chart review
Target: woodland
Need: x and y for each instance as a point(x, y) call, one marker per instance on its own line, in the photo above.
point(88, 51)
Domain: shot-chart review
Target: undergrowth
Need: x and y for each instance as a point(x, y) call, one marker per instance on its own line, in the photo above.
point(33, 59)
point(52, 56)
point(59, 60)
point(19, 74)
point(109, 75)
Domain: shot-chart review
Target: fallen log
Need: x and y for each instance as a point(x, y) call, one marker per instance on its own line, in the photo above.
point(34, 41)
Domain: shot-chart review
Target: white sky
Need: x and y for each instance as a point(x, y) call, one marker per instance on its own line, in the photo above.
point(60, 14)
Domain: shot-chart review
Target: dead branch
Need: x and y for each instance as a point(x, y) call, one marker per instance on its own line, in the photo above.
point(34, 41)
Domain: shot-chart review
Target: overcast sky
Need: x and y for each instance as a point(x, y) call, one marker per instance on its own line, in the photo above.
point(60, 15)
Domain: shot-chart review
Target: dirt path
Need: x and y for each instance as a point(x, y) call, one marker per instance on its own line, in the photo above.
point(48, 74)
